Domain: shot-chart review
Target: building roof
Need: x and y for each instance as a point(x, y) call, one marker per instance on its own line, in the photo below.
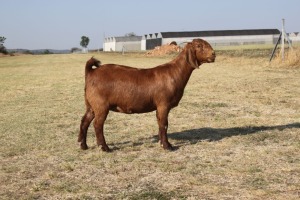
point(220, 33)
point(294, 34)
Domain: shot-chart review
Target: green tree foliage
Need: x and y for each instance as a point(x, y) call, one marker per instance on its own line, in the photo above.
point(2, 47)
point(84, 41)
point(47, 52)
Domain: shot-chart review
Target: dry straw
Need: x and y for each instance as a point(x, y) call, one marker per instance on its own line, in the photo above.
point(291, 59)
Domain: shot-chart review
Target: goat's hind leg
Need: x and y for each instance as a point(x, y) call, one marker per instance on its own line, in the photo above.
point(99, 125)
point(85, 123)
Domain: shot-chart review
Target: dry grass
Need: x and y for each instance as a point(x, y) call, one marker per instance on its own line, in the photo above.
point(236, 133)
point(291, 59)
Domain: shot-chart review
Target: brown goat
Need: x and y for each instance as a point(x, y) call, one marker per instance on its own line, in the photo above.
point(131, 90)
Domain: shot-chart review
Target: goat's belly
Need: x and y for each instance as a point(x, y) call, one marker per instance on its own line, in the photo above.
point(131, 109)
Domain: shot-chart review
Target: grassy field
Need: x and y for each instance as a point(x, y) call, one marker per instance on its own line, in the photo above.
point(236, 133)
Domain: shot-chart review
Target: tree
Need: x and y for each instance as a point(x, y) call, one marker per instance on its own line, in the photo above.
point(84, 41)
point(2, 47)
point(47, 52)
point(2, 39)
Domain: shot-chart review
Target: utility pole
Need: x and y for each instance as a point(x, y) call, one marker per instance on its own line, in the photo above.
point(282, 40)
point(283, 36)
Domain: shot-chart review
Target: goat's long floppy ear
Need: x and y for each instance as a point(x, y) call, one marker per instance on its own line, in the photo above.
point(191, 56)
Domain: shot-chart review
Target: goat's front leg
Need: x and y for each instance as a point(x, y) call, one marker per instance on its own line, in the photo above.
point(99, 125)
point(162, 120)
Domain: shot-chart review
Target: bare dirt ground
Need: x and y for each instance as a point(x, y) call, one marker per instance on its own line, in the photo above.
point(164, 50)
point(236, 133)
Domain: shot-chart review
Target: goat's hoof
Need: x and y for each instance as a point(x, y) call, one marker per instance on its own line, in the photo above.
point(168, 147)
point(105, 148)
point(84, 146)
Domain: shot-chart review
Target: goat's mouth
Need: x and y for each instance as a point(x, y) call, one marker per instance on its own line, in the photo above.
point(211, 59)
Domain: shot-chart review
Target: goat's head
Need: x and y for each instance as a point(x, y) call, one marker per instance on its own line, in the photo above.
point(198, 52)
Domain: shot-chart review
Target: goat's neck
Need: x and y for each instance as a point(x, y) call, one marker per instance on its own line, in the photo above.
point(183, 70)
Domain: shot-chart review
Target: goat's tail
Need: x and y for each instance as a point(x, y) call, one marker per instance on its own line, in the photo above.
point(90, 63)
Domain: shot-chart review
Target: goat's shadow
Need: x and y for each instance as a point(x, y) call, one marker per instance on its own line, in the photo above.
point(216, 134)
point(194, 136)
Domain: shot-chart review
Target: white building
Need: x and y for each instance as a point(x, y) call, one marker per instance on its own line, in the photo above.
point(215, 38)
point(126, 43)
point(295, 37)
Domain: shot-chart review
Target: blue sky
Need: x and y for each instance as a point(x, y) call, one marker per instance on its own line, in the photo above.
point(59, 24)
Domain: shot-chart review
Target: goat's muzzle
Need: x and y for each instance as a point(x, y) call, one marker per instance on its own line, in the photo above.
point(212, 57)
